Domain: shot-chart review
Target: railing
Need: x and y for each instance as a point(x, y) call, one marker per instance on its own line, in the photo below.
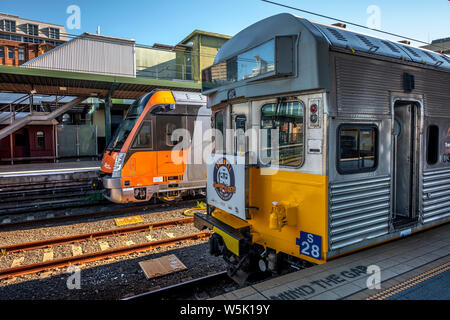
point(174, 72)
point(11, 110)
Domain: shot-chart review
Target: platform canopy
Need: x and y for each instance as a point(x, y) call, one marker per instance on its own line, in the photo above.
point(64, 83)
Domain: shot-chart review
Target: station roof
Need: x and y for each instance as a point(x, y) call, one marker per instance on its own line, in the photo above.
point(55, 82)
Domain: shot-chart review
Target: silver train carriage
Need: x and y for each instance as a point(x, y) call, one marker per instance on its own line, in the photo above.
point(364, 142)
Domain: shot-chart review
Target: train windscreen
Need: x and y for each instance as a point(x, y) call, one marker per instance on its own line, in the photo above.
point(133, 113)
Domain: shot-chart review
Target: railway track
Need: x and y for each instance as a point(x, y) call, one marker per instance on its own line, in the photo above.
point(196, 289)
point(48, 199)
point(93, 235)
point(98, 255)
point(93, 213)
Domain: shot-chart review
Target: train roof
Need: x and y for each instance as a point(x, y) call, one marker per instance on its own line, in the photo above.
point(336, 37)
point(189, 98)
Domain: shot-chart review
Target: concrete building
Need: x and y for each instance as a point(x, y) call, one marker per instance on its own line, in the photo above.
point(198, 50)
point(439, 45)
point(18, 29)
point(23, 39)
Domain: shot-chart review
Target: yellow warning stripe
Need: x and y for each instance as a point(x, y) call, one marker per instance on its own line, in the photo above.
point(128, 220)
point(410, 283)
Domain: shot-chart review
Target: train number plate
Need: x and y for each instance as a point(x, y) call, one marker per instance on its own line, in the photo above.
point(310, 245)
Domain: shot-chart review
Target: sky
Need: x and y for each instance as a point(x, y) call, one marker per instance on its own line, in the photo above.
point(170, 21)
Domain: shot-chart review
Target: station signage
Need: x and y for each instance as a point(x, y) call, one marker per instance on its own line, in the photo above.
point(226, 183)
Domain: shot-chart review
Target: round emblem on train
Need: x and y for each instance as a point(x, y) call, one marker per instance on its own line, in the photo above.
point(224, 180)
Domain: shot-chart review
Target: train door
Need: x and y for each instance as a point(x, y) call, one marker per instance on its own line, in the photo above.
point(406, 158)
point(165, 127)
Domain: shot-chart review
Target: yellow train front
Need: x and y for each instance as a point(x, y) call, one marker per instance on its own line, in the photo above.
point(323, 144)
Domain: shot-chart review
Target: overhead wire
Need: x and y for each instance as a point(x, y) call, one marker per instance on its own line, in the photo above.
point(351, 23)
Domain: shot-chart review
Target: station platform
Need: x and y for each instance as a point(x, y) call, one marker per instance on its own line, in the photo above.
point(48, 168)
point(24, 176)
point(413, 268)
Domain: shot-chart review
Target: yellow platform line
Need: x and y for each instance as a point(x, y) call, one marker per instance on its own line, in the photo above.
point(410, 283)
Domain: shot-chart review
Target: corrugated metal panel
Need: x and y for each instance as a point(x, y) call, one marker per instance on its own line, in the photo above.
point(347, 39)
point(359, 210)
point(364, 86)
point(90, 54)
point(436, 195)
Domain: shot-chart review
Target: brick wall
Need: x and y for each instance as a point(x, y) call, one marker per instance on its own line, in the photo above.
point(14, 53)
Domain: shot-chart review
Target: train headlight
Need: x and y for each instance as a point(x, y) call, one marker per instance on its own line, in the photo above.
point(118, 164)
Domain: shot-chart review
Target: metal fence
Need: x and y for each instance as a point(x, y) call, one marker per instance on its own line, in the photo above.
point(76, 141)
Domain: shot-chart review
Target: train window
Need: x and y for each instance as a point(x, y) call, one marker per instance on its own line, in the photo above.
point(256, 61)
point(170, 128)
point(357, 148)
point(144, 138)
point(219, 135)
point(433, 144)
point(240, 141)
point(40, 139)
point(288, 119)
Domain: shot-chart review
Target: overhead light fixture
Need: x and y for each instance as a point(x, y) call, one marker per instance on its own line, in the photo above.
point(33, 91)
point(63, 88)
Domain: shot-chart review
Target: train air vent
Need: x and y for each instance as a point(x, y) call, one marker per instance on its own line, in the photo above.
point(445, 58)
point(391, 46)
point(412, 52)
point(431, 56)
point(365, 40)
point(337, 34)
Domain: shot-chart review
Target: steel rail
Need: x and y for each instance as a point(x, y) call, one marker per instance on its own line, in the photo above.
point(180, 287)
point(95, 256)
point(27, 246)
point(94, 214)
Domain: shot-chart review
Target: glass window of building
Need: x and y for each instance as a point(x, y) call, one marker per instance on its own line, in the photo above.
point(21, 54)
point(9, 26)
point(11, 53)
point(53, 33)
point(32, 29)
point(40, 139)
point(2, 52)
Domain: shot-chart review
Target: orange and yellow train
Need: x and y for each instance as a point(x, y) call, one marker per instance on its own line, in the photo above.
point(150, 153)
